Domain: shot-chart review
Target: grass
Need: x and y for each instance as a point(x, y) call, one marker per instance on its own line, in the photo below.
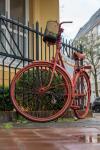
point(7, 125)
point(66, 120)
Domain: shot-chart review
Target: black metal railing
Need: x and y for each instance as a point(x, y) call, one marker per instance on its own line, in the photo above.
point(19, 46)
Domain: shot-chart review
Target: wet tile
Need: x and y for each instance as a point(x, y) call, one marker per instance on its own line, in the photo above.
point(50, 139)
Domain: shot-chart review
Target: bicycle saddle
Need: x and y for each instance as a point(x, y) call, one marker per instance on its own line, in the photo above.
point(78, 56)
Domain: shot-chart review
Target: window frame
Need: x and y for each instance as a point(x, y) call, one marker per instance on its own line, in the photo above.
point(7, 13)
point(98, 30)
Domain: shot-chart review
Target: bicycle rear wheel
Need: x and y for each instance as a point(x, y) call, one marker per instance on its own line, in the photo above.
point(32, 101)
point(82, 92)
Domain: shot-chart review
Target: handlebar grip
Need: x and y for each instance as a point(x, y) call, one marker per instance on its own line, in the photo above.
point(65, 22)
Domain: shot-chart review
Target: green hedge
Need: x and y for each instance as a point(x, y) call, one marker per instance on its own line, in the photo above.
point(5, 102)
point(34, 79)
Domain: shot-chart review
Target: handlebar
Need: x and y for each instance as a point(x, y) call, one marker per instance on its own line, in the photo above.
point(65, 22)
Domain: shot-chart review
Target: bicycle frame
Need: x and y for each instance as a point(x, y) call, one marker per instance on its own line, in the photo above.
point(57, 60)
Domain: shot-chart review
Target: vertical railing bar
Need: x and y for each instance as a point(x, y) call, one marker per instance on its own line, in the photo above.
point(49, 53)
point(82, 82)
point(37, 41)
point(23, 45)
point(28, 61)
point(41, 45)
point(53, 50)
point(15, 86)
point(23, 57)
point(72, 51)
point(3, 70)
point(69, 50)
point(28, 43)
point(33, 49)
point(45, 51)
point(13, 36)
point(77, 48)
point(33, 41)
point(10, 72)
point(63, 46)
point(18, 35)
point(0, 30)
point(66, 49)
point(81, 50)
point(3, 79)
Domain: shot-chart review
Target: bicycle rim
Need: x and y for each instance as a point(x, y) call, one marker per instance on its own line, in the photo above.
point(82, 92)
point(32, 101)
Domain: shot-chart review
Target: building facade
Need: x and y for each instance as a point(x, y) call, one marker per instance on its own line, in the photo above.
point(30, 10)
point(91, 31)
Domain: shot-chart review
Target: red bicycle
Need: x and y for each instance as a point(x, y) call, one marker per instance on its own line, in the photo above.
point(43, 91)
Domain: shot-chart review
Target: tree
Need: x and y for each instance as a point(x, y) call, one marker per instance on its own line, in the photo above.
point(92, 56)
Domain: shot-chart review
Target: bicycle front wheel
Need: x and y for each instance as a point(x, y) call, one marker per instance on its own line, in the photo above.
point(32, 101)
point(82, 92)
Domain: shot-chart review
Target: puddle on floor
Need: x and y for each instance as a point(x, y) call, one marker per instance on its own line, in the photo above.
point(95, 138)
point(92, 138)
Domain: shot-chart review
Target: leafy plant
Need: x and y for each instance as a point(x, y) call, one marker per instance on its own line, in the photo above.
point(5, 102)
point(27, 90)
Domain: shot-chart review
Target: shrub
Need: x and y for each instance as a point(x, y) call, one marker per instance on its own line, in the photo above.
point(31, 81)
point(5, 102)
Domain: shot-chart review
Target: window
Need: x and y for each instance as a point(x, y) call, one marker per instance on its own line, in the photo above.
point(2, 7)
point(98, 29)
point(17, 10)
point(2, 39)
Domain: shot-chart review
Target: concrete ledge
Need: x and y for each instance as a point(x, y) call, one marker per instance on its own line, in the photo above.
point(6, 116)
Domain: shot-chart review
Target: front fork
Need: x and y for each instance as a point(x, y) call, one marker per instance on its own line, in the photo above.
point(55, 61)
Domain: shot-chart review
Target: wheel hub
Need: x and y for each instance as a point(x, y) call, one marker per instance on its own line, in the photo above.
point(41, 90)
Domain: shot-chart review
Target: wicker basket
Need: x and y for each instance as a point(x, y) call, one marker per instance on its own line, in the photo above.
point(51, 32)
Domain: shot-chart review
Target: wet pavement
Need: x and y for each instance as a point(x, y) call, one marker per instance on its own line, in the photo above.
point(69, 135)
point(50, 139)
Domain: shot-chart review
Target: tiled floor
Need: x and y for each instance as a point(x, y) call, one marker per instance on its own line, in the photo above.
point(50, 139)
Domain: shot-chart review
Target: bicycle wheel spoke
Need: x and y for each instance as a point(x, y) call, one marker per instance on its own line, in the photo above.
point(58, 85)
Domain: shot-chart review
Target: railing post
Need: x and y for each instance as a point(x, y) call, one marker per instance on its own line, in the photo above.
point(82, 82)
point(0, 31)
point(37, 41)
point(81, 50)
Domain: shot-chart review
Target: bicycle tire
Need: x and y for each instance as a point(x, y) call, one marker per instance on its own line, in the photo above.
point(27, 110)
point(82, 94)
